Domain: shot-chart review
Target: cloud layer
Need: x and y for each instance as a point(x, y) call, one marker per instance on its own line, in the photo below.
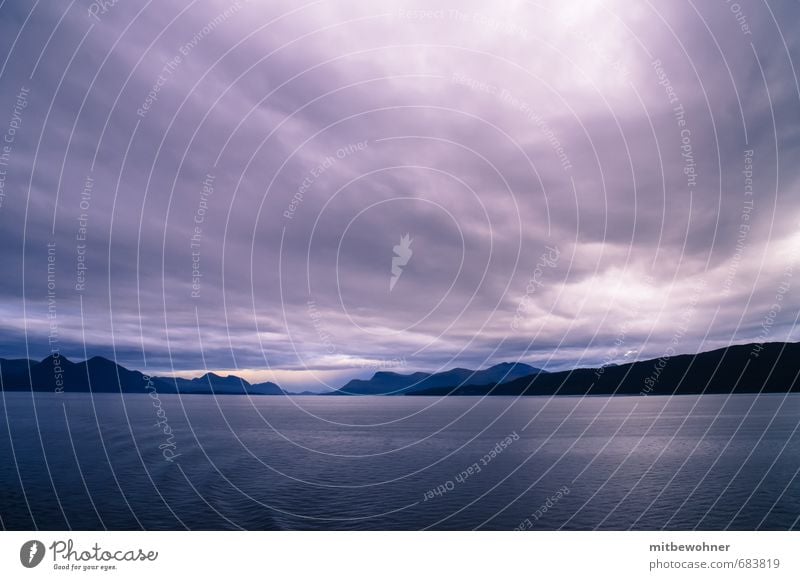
point(222, 184)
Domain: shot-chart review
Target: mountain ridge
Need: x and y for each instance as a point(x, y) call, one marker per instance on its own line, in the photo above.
point(56, 373)
point(757, 367)
point(391, 383)
point(750, 368)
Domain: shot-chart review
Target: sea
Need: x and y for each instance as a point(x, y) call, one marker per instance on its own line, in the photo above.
point(80, 461)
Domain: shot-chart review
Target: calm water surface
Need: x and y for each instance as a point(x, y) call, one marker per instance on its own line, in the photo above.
point(93, 462)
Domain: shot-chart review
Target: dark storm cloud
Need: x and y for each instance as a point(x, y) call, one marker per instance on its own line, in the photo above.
point(294, 146)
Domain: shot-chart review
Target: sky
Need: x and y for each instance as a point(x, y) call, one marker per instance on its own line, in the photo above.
point(310, 192)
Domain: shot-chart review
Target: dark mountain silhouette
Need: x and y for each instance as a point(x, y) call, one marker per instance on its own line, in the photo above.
point(100, 375)
point(752, 368)
point(266, 388)
point(230, 385)
point(58, 373)
point(389, 383)
point(15, 367)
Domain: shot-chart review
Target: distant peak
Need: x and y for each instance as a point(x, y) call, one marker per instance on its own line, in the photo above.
point(215, 378)
point(385, 374)
point(61, 358)
point(511, 364)
point(100, 360)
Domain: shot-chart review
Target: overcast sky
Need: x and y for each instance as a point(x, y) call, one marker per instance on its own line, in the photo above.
point(578, 185)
